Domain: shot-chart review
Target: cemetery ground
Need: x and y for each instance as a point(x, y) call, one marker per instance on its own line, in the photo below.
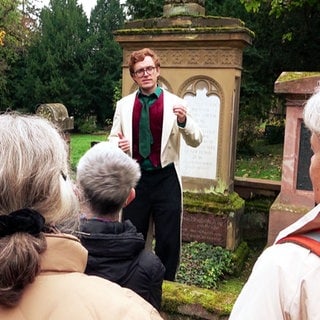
point(203, 266)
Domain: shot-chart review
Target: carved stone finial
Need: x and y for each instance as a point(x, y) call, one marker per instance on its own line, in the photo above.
point(183, 7)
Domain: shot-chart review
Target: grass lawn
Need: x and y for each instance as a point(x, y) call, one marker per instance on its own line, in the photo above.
point(80, 143)
point(265, 164)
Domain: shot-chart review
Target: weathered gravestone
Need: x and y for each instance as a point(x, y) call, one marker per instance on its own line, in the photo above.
point(58, 114)
point(296, 195)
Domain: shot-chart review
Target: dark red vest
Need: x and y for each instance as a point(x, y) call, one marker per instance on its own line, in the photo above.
point(156, 121)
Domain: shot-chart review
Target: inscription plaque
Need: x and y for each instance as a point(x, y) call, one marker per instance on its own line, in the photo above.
point(206, 228)
point(201, 162)
point(305, 154)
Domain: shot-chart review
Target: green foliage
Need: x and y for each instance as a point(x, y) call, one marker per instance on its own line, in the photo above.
point(105, 57)
point(204, 265)
point(70, 60)
point(141, 9)
point(280, 7)
point(52, 69)
point(15, 35)
point(88, 125)
point(117, 93)
point(248, 133)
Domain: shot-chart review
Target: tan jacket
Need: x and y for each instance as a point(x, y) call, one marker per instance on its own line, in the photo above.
point(171, 133)
point(63, 292)
point(284, 283)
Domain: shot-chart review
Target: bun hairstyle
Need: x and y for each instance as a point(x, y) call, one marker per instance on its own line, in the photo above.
point(33, 168)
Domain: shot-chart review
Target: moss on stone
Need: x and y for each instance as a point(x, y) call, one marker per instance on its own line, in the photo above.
point(239, 256)
point(212, 203)
point(177, 30)
point(176, 295)
point(181, 24)
point(292, 76)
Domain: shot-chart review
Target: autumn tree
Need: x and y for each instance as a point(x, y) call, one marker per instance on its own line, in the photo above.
point(52, 70)
point(17, 23)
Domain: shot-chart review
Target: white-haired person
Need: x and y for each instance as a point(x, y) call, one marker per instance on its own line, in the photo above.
point(41, 262)
point(284, 283)
point(107, 177)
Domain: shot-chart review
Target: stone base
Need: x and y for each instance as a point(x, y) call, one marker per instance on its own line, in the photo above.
point(281, 215)
point(216, 229)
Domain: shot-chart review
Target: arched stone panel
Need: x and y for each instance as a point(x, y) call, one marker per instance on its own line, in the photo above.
point(205, 100)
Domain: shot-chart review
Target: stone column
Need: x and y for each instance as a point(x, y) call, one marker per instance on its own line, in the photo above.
point(296, 195)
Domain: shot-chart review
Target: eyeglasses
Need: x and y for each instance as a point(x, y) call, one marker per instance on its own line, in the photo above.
point(140, 73)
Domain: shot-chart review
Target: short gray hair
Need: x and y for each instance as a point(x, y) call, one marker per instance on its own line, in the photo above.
point(106, 175)
point(311, 113)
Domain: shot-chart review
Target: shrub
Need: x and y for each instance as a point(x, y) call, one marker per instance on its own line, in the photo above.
point(87, 126)
point(249, 131)
point(204, 265)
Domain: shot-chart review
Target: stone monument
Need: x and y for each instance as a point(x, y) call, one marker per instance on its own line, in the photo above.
point(296, 195)
point(58, 114)
point(201, 61)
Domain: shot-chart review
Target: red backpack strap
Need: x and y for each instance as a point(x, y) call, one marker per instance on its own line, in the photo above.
point(309, 241)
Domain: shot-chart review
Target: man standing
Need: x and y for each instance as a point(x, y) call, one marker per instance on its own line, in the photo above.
point(147, 125)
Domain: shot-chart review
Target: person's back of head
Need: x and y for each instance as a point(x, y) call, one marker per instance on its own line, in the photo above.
point(106, 176)
point(311, 113)
point(35, 196)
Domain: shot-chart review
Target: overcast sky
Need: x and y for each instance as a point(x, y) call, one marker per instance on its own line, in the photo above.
point(87, 5)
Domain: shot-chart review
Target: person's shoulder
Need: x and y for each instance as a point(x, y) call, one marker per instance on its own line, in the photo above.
point(122, 303)
point(98, 295)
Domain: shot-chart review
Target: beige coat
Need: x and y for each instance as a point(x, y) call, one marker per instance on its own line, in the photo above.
point(63, 292)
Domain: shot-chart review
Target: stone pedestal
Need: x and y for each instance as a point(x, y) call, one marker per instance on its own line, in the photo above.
point(218, 230)
point(296, 195)
point(213, 219)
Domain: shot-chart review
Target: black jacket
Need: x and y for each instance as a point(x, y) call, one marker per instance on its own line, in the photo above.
point(116, 252)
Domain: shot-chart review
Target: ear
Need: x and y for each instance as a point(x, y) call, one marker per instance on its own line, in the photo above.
point(131, 196)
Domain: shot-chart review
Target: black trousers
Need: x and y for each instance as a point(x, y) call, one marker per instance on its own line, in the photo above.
point(158, 194)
